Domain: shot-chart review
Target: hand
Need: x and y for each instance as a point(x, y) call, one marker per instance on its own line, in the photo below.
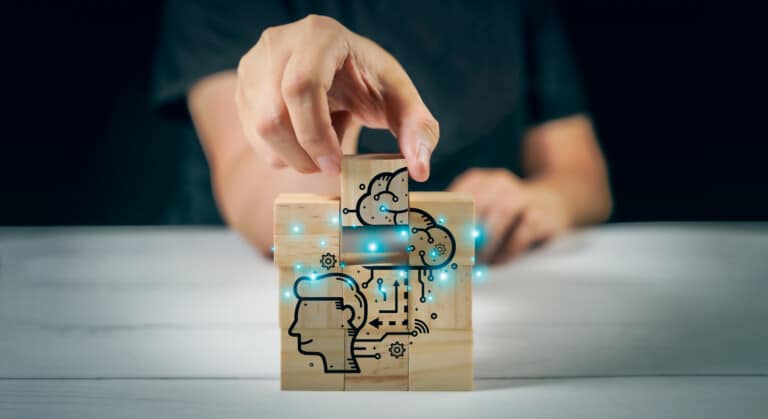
point(516, 215)
point(305, 83)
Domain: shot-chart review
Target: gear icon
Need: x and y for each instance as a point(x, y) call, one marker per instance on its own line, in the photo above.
point(397, 350)
point(328, 261)
point(440, 249)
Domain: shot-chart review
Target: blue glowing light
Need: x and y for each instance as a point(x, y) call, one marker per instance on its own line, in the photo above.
point(272, 248)
point(443, 276)
point(323, 243)
point(296, 228)
point(478, 273)
point(429, 298)
point(475, 233)
point(287, 294)
point(441, 220)
point(313, 275)
point(383, 208)
point(402, 274)
point(372, 247)
point(334, 220)
point(342, 264)
point(473, 259)
point(297, 266)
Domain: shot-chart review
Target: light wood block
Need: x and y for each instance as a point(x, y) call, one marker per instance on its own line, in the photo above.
point(307, 232)
point(316, 364)
point(386, 297)
point(316, 304)
point(374, 190)
point(442, 226)
point(445, 302)
point(383, 363)
point(441, 360)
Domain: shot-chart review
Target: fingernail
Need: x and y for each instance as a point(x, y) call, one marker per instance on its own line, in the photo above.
point(329, 165)
point(423, 156)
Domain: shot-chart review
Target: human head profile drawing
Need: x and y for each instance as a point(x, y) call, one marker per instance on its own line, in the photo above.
point(312, 297)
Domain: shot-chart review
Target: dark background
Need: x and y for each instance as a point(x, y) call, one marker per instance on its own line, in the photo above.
point(677, 90)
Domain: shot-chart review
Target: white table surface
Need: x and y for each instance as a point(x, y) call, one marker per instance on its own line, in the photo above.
point(643, 320)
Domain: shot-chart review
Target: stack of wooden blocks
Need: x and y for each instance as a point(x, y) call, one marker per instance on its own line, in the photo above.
point(375, 286)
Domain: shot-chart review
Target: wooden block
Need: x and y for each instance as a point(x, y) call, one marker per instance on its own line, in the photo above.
point(382, 362)
point(307, 232)
point(375, 245)
point(384, 289)
point(309, 301)
point(312, 359)
point(441, 360)
point(374, 190)
point(443, 302)
point(442, 226)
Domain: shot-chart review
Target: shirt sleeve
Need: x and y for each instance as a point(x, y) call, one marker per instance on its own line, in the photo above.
point(199, 38)
point(555, 87)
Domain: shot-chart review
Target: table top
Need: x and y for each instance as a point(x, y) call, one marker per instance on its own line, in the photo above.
point(611, 321)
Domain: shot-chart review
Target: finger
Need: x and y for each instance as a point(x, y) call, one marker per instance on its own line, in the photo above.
point(417, 131)
point(263, 115)
point(308, 76)
point(520, 239)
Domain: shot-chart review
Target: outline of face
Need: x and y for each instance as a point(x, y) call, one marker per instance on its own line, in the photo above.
point(304, 305)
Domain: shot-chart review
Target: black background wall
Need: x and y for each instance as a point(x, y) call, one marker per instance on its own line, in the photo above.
point(677, 90)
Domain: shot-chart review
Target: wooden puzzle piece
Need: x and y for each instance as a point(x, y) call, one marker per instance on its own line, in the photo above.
point(383, 362)
point(442, 227)
point(312, 359)
point(309, 301)
point(374, 190)
point(441, 360)
point(443, 302)
point(384, 289)
point(307, 233)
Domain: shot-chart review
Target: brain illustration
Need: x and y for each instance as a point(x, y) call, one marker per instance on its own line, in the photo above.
point(431, 242)
point(385, 200)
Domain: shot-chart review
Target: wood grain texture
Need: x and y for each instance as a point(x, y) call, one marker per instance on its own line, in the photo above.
point(308, 313)
point(312, 359)
point(452, 211)
point(382, 181)
point(386, 297)
point(386, 370)
point(441, 360)
point(307, 234)
point(446, 302)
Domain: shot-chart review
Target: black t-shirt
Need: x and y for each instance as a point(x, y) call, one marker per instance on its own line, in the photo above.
point(487, 69)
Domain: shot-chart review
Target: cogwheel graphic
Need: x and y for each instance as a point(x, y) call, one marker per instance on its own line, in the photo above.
point(328, 261)
point(440, 249)
point(396, 349)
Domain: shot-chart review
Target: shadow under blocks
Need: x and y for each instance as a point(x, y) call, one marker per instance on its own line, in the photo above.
point(375, 285)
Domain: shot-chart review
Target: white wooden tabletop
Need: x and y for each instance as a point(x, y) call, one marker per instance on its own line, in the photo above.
point(643, 320)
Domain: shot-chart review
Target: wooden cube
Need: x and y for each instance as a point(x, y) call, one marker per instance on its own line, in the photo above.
point(442, 226)
point(383, 362)
point(386, 297)
point(442, 302)
point(312, 359)
point(316, 304)
point(307, 232)
point(441, 360)
point(374, 190)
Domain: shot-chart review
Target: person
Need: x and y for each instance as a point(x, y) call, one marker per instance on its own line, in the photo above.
point(277, 91)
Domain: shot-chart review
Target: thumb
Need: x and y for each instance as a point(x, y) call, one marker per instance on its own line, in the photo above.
point(417, 131)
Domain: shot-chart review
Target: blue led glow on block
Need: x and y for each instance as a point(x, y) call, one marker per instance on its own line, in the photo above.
point(441, 220)
point(383, 208)
point(287, 294)
point(313, 275)
point(402, 274)
point(297, 267)
point(335, 220)
point(475, 233)
point(323, 243)
point(373, 246)
point(429, 298)
point(443, 276)
point(272, 248)
point(295, 228)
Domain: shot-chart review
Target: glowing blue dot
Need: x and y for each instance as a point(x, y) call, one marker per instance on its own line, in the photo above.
point(402, 274)
point(441, 220)
point(478, 273)
point(443, 276)
point(295, 228)
point(383, 208)
point(272, 248)
point(297, 266)
point(433, 254)
point(323, 243)
point(287, 294)
point(475, 233)
point(372, 247)
point(429, 298)
point(473, 259)
point(334, 220)
point(382, 288)
point(313, 275)
point(342, 264)
point(403, 233)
